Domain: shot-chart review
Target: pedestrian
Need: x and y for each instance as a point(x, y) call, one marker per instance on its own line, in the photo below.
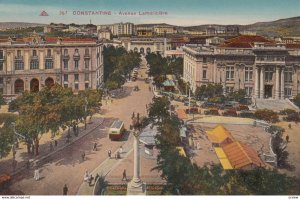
point(111, 101)
point(290, 126)
point(96, 178)
point(90, 179)
point(116, 156)
point(51, 146)
point(27, 164)
point(287, 138)
point(65, 190)
point(55, 143)
point(36, 174)
point(95, 147)
point(124, 175)
point(109, 153)
point(121, 150)
point(86, 176)
point(83, 156)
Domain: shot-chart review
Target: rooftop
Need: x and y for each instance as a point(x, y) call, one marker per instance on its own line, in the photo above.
point(244, 41)
point(117, 124)
point(219, 134)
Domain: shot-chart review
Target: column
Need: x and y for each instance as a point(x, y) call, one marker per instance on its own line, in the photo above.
point(256, 92)
point(224, 80)
point(282, 84)
point(136, 181)
point(277, 83)
point(262, 83)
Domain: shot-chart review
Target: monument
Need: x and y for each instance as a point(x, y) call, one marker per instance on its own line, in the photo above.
point(136, 186)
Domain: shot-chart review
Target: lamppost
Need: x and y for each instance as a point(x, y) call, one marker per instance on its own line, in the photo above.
point(136, 186)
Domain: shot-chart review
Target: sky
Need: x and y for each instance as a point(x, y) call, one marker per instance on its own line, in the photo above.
point(176, 12)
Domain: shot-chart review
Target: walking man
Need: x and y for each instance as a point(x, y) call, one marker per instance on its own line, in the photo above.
point(121, 149)
point(55, 143)
point(287, 138)
point(109, 153)
point(65, 190)
point(83, 156)
point(95, 147)
point(124, 175)
point(36, 174)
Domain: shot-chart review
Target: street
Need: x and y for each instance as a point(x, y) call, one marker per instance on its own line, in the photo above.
point(66, 166)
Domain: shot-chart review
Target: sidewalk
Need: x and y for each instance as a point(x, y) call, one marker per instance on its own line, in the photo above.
point(105, 167)
point(44, 150)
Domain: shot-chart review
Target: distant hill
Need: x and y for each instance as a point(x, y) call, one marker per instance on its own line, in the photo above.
point(18, 25)
point(281, 27)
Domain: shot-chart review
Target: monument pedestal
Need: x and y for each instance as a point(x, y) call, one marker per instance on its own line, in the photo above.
point(136, 187)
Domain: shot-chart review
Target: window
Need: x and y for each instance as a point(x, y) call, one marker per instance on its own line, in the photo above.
point(86, 64)
point(76, 64)
point(1, 54)
point(34, 53)
point(204, 60)
point(19, 65)
point(248, 74)
point(19, 53)
point(288, 74)
point(268, 74)
point(288, 92)
point(65, 51)
point(229, 73)
point(76, 50)
point(76, 77)
point(86, 77)
point(1, 80)
point(66, 77)
point(86, 52)
point(48, 53)
point(34, 64)
point(66, 85)
point(76, 86)
point(66, 63)
point(86, 85)
point(48, 64)
point(248, 91)
point(1, 66)
point(204, 74)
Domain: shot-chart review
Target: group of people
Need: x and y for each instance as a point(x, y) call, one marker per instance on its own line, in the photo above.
point(88, 177)
point(117, 155)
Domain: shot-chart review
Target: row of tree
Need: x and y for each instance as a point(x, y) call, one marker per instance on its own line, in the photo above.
point(49, 110)
point(186, 178)
point(162, 66)
point(118, 65)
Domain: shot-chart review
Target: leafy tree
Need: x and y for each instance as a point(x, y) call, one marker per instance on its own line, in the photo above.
point(2, 101)
point(297, 100)
point(6, 133)
point(237, 96)
point(158, 110)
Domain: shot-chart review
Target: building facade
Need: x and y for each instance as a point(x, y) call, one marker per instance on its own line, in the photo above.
point(32, 63)
point(262, 67)
point(118, 28)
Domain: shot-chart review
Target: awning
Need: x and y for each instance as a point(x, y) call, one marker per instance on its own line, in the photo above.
point(223, 158)
point(226, 164)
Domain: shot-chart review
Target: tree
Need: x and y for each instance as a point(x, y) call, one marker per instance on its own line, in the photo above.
point(297, 100)
point(237, 96)
point(6, 133)
point(158, 110)
point(2, 101)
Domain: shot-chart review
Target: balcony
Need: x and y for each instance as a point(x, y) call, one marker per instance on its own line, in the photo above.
point(87, 56)
point(19, 57)
point(76, 56)
point(48, 57)
point(270, 61)
point(34, 57)
point(66, 57)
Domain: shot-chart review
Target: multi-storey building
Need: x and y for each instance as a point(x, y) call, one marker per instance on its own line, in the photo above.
point(263, 68)
point(32, 63)
point(118, 28)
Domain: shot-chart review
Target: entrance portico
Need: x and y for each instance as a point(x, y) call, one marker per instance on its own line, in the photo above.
point(268, 86)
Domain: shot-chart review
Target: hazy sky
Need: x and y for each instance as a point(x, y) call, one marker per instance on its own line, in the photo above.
point(179, 12)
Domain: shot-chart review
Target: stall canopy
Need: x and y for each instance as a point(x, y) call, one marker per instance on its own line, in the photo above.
point(219, 135)
point(148, 134)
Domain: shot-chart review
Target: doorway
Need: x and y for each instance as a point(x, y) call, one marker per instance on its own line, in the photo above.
point(268, 91)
